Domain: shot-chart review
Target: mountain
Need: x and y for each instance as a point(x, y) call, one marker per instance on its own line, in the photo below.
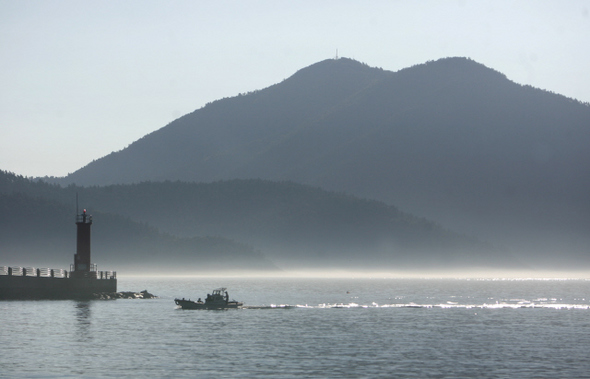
point(40, 231)
point(207, 144)
point(294, 225)
point(450, 140)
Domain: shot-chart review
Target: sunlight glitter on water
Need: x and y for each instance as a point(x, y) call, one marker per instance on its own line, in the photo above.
point(314, 328)
point(440, 306)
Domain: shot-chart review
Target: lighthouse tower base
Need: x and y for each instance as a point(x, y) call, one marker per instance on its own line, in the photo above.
point(82, 282)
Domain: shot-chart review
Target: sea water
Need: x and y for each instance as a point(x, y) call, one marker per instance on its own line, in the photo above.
point(406, 328)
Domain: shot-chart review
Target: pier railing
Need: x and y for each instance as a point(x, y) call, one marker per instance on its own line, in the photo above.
point(99, 274)
point(49, 272)
point(106, 275)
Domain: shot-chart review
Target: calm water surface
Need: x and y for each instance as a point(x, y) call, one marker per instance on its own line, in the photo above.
point(407, 328)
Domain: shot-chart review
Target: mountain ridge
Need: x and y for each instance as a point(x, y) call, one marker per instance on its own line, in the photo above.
point(251, 224)
point(450, 140)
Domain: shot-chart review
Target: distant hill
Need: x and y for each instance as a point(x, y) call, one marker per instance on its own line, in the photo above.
point(294, 225)
point(39, 230)
point(450, 140)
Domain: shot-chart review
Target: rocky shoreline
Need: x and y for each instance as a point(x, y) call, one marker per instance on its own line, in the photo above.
point(123, 295)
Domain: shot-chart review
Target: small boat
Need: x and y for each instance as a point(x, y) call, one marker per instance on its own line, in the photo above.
point(219, 299)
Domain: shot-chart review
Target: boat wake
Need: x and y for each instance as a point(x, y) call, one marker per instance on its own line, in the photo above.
point(272, 306)
point(448, 305)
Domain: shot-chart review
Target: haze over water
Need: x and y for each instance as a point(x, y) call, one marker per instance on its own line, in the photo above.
point(474, 138)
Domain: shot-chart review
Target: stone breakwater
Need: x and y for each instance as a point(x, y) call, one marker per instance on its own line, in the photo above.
point(123, 295)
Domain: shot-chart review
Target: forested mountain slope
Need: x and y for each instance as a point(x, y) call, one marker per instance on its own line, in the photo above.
point(293, 225)
point(451, 140)
point(37, 229)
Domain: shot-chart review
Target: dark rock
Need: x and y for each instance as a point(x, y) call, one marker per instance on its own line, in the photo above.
point(124, 295)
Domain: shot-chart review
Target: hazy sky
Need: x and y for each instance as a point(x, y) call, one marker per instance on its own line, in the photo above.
point(80, 79)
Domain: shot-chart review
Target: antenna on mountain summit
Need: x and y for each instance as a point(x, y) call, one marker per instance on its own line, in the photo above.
point(336, 57)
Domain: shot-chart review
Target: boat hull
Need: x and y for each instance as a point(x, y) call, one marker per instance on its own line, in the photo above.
point(189, 304)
